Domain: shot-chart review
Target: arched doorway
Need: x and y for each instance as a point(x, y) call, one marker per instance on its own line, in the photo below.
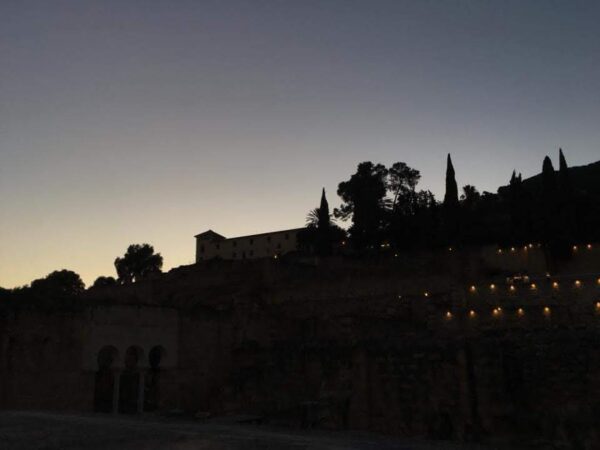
point(105, 379)
point(152, 381)
point(129, 389)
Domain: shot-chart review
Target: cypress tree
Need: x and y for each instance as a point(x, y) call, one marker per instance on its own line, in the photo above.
point(451, 196)
point(563, 174)
point(549, 191)
point(550, 206)
point(567, 207)
point(451, 205)
point(324, 217)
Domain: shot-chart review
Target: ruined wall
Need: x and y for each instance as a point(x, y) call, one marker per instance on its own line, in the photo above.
point(401, 345)
point(41, 355)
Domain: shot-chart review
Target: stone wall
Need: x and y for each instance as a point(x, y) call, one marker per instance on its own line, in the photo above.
point(401, 345)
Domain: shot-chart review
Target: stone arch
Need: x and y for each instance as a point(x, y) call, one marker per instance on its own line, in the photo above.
point(156, 356)
point(105, 379)
point(134, 357)
point(131, 382)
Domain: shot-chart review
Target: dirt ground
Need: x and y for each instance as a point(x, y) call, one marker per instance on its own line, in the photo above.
point(27, 430)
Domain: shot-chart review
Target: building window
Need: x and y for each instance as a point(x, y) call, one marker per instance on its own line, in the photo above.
point(234, 243)
point(251, 241)
point(268, 238)
point(202, 249)
point(287, 237)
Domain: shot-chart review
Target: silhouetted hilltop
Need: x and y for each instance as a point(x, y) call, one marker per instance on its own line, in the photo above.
point(584, 179)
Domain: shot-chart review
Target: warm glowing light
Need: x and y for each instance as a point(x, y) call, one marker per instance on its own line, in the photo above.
point(395, 255)
point(473, 288)
point(343, 242)
point(555, 284)
point(546, 311)
point(598, 306)
point(530, 245)
point(577, 283)
point(512, 249)
point(472, 313)
point(275, 256)
point(574, 248)
point(426, 294)
point(450, 249)
point(589, 246)
point(520, 312)
point(399, 296)
point(448, 315)
point(598, 281)
point(533, 286)
point(492, 286)
point(512, 288)
point(496, 311)
point(499, 251)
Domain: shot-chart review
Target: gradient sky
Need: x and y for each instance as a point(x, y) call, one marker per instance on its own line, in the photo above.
point(150, 121)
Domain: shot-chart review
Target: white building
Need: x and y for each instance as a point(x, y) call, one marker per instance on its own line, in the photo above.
point(211, 245)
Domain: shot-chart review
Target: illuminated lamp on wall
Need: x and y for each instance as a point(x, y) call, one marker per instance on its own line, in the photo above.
point(448, 315)
point(555, 284)
point(472, 314)
point(520, 312)
point(546, 311)
point(473, 289)
point(577, 283)
point(512, 288)
point(533, 286)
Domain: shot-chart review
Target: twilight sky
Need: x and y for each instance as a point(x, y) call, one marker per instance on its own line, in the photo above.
point(150, 121)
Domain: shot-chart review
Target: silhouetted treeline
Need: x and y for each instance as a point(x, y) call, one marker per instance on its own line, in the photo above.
point(386, 210)
point(64, 287)
point(59, 288)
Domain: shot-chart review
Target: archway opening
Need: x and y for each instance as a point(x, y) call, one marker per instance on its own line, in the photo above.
point(152, 380)
point(129, 389)
point(105, 379)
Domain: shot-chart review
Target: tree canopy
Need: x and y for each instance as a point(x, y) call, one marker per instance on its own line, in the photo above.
point(60, 283)
point(364, 201)
point(138, 262)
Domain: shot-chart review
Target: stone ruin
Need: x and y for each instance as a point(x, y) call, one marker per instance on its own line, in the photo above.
point(480, 344)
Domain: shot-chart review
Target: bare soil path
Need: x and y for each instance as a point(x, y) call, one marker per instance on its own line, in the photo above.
point(32, 430)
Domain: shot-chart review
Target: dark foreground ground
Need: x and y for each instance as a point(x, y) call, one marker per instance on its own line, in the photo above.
point(52, 431)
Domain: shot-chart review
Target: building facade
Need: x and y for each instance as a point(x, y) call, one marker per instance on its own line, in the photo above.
point(210, 245)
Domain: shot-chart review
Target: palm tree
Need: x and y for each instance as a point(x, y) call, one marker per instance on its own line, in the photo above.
point(312, 218)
